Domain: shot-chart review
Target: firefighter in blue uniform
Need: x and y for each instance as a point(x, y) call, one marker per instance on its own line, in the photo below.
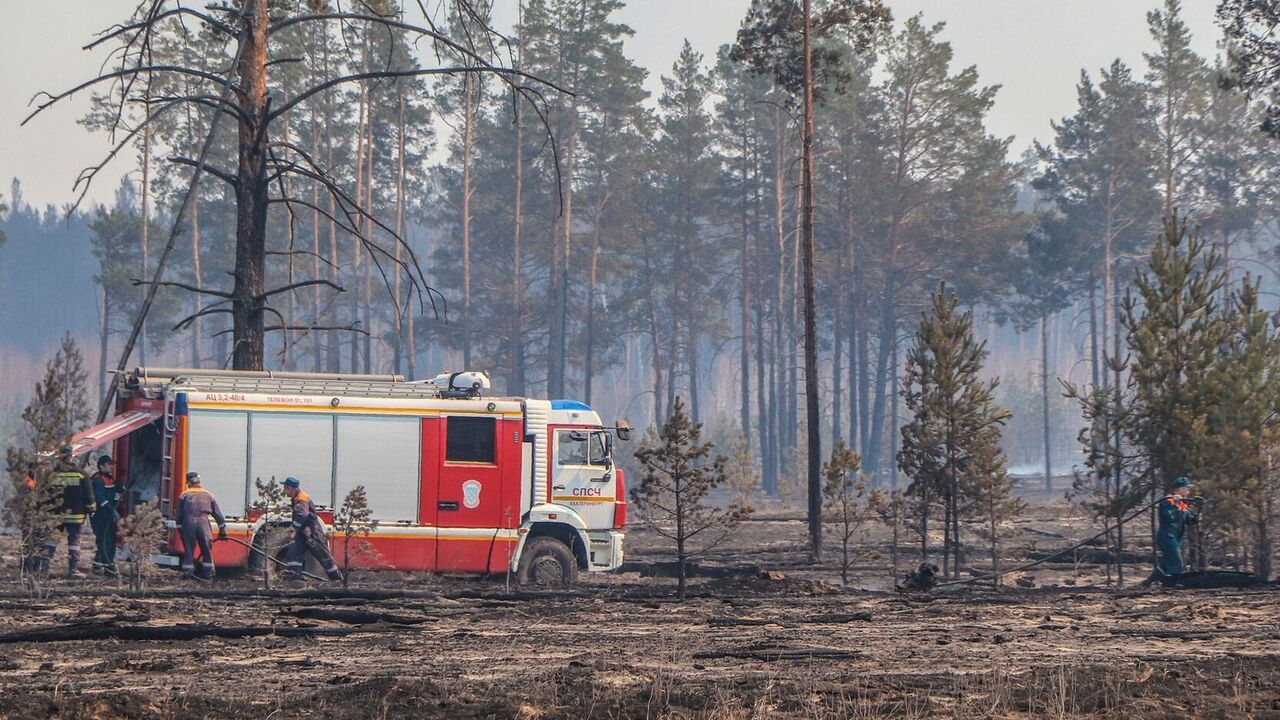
point(106, 518)
point(1175, 515)
point(195, 505)
point(308, 534)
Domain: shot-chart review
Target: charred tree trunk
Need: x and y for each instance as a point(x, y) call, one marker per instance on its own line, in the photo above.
point(888, 331)
point(810, 308)
point(744, 305)
point(144, 244)
point(588, 361)
point(197, 277)
point(251, 195)
point(468, 114)
point(1044, 391)
point(518, 381)
point(400, 199)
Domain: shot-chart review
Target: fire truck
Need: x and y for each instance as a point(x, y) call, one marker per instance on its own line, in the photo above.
point(458, 482)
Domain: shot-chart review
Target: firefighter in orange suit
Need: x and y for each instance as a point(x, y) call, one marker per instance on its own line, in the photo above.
point(195, 505)
point(308, 534)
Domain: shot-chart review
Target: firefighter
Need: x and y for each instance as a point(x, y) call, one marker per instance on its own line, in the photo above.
point(77, 505)
point(106, 518)
point(308, 534)
point(1175, 515)
point(195, 505)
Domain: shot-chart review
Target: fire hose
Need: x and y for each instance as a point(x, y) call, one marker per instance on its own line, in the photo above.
point(991, 576)
point(264, 554)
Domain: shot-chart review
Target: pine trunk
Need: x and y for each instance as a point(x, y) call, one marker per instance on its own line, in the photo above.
point(810, 308)
point(468, 113)
point(1044, 390)
point(251, 195)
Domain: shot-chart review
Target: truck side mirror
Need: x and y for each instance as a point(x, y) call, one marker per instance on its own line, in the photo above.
point(624, 430)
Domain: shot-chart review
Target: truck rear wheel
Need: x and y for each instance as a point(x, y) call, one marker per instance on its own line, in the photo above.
point(547, 562)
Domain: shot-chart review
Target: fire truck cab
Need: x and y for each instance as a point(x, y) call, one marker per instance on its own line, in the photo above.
point(458, 482)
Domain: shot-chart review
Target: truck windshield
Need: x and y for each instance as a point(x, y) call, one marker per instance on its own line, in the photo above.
point(591, 449)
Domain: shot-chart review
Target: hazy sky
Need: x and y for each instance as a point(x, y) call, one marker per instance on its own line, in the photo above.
point(1034, 49)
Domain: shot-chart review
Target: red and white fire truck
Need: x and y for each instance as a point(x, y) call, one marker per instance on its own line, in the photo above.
point(458, 482)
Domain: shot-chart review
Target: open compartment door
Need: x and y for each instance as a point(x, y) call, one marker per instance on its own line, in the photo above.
point(87, 441)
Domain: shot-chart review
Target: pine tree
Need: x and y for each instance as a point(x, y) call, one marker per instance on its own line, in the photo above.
point(1253, 55)
point(671, 497)
point(688, 173)
point(990, 490)
point(58, 409)
point(1099, 177)
point(741, 473)
point(954, 428)
point(1243, 431)
point(1179, 82)
point(354, 519)
point(845, 504)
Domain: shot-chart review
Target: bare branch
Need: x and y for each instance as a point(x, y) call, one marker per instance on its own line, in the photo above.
point(185, 322)
point(222, 175)
point(302, 284)
point(116, 75)
point(307, 253)
point(392, 74)
point(306, 328)
point(184, 286)
point(120, 29)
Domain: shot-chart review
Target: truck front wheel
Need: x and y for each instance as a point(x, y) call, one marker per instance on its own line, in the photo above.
point(547, 562)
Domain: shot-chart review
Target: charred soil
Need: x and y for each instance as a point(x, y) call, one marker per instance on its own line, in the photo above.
point(762, 635)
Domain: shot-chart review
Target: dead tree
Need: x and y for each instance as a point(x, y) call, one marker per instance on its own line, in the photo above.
point(257, 174)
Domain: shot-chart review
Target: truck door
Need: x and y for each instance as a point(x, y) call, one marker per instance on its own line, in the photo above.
point(582, 475)
point(470, 490)
point(469, 499)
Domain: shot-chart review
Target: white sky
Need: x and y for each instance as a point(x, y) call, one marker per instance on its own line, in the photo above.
point(1035, 49)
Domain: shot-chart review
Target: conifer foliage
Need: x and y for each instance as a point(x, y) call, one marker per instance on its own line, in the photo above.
point(353, 520)
point(1199, 399)
point(950, 443)
point(845, 505)
point(57, 410)
point(680, 471)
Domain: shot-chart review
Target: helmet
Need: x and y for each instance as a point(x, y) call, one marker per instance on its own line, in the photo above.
point(292, 482)
point(1181, 482)
point(193, 476)
point(67, 449)
point(103, 460)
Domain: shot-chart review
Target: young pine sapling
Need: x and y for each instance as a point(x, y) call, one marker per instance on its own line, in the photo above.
point(844, 507)
point(354, 520)
point(671, 498)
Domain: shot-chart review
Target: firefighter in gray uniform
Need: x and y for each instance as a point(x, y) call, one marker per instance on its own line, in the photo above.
point(195, 505)
point(308, 534)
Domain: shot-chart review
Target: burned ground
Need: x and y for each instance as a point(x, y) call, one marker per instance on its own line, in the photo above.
point(762, 635)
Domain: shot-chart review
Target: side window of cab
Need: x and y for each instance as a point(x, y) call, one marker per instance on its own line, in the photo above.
point(582, 447)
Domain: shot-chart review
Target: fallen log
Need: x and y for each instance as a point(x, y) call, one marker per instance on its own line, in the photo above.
point(356, 617)
point(111, 631)
point(1090, 555)
point(1212, 579)
point(736, 622)
point(672, 569)
point(837, 618)
point(767, 655)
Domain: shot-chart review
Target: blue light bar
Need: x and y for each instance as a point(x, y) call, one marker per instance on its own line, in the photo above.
point(569, 405)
